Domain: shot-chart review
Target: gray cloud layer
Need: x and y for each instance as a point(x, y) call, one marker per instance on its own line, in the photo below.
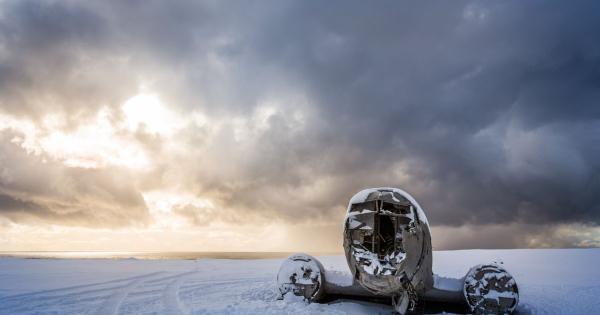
point(485, 112)
point(38, 191)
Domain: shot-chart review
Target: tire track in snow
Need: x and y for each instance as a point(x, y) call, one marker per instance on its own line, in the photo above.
point(113, 302)
point(74, 288)
point(170, 298)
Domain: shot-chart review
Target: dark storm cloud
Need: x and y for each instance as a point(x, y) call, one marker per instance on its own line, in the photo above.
point(27, 211)
point(46, 47)
point(496, 106)
point(35, 190)
point(485, 112)
point(492, 107)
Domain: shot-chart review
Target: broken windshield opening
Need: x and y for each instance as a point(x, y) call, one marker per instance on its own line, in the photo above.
point(387, 235)
point(375, 230)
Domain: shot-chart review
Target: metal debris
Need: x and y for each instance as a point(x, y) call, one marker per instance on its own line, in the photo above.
point(387, 243)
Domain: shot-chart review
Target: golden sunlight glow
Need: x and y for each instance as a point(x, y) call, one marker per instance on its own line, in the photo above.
point(161, 204)
point(93, 144)
point(180, 219)
point(146, 111)
point(216, 237)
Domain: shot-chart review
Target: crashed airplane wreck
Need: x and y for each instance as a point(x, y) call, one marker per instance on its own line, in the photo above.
point(387, 243)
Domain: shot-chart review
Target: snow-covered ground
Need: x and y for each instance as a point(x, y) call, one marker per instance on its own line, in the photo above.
point(560, 281)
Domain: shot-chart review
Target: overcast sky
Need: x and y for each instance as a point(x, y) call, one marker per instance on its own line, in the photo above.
point(248, 125)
